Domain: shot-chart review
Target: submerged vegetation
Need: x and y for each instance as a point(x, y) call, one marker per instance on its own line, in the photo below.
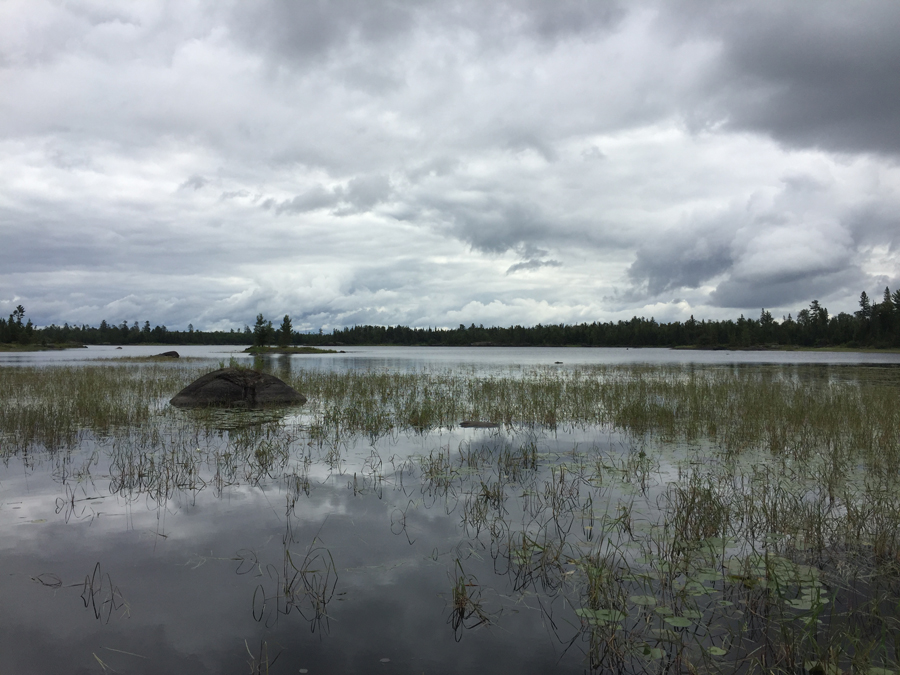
point(672, 519)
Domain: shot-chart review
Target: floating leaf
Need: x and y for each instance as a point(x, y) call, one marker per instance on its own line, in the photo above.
point(666, 635)
point(717, 651)
point(807, 574)
point(600, 616)
point(644, 600)
point(664, 611)
point(653, 652)
point(678, 621)
point(708, 576)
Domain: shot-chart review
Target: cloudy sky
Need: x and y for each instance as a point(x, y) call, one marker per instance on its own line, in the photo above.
point(437, 163)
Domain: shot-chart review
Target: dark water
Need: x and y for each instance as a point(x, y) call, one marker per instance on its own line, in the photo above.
point(335, 557)
point(189, 582)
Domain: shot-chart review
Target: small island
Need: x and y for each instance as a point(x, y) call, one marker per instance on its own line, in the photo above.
point(256, 349)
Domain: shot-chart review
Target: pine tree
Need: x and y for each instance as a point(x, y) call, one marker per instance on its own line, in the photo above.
point(284, 333)
point(865, 307)
point(262, 331)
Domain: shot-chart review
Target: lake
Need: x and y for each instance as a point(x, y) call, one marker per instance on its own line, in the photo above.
point(634, 510)
point(452, 357)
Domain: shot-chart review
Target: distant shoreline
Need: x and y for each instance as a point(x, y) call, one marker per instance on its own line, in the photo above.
point(13, 347)
point(303, 349)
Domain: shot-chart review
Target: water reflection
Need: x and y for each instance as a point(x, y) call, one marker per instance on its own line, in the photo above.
point(284, 366)
point(304, 583)
point(565, 549)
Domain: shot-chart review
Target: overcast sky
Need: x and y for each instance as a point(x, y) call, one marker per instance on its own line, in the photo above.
point(437, 163)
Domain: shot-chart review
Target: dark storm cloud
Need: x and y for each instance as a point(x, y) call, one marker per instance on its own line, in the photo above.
point(787, 289)
point(499, 227)
point(317, 197)
point(194, 182)
point(798, 243)
point(307, 30)
point(494, 219)
point(303, 31)
point(530, 265)
point(358, 196)
point(823, 75)
point(555, 19)
point(682, 259)
point(876, 223)
point(527, 140)
point(364, 192)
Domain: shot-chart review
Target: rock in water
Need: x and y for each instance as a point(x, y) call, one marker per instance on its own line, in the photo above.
point(171, 355)
point(237, 387)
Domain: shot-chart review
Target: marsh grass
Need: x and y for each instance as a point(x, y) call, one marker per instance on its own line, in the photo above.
point(53, 408)
point(260, 662)
point(466, 611)
point(714, 519)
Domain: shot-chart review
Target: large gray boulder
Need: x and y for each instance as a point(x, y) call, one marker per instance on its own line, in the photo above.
point(237, 387)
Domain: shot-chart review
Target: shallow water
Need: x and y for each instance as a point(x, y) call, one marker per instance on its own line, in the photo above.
point(178, 581)
point(263, 549)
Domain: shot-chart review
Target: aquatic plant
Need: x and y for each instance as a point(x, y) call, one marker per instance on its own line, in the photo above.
point(679, 519)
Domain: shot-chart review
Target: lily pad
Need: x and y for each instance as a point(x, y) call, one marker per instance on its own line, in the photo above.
point(653, 652)
point(644, 600)
point(678, 621)
point(601, 616)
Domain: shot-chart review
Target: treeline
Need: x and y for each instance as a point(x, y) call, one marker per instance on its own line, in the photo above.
point(875, 324)
point(14, 331)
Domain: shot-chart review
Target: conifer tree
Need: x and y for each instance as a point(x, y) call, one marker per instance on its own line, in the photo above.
point(284, 333)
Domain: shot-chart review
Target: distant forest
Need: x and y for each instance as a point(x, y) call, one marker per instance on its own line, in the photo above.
point(875, 324)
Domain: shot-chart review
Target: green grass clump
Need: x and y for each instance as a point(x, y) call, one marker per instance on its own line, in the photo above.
point(51, 408)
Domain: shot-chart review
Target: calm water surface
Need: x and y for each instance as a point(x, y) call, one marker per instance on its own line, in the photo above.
point(486, 358)
point(340, 558)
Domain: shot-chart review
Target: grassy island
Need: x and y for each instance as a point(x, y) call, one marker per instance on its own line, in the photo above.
point(290, 350)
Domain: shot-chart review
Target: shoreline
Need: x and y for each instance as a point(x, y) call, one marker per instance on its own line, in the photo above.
point(331, 348)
